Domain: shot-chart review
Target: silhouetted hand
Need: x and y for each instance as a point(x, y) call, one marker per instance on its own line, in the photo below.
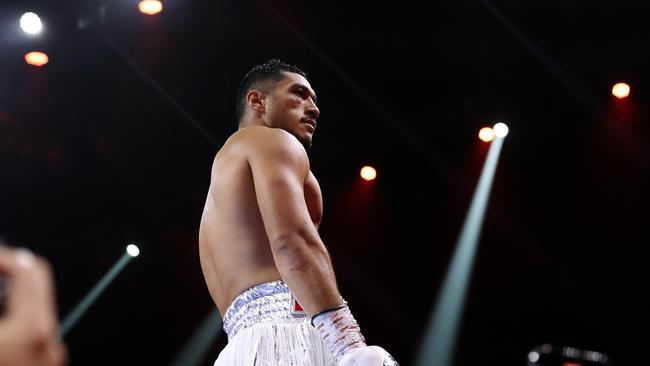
point(29, 329)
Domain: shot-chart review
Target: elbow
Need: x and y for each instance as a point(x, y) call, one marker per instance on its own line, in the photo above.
point(290, 241)
point(295, 252)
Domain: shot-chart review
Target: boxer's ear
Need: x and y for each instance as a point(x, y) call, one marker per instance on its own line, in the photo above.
point(256, 100)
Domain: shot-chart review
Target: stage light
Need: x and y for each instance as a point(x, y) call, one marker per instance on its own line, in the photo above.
point(368, 173)
point(31, 23)
point(36, 58)
point(132, 250)
point(91, 297)
point(150, 7)
point(500, 129)
point(439, 342)
point(621, 90)
point(486, 134)
point(533, 356)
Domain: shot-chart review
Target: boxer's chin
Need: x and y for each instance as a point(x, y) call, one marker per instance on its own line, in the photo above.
point(305, 141)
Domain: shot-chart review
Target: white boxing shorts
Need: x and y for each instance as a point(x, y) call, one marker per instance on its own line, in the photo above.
point(266, 327)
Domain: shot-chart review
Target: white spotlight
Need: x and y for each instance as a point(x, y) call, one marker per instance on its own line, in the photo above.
point(500, 129)
point(132, 250)
point(31, 23)
point(533, 356)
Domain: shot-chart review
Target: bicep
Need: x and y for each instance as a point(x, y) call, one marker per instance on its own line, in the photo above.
point(278, 178)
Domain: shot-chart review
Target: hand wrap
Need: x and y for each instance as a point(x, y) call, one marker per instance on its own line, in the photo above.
point(339, 330)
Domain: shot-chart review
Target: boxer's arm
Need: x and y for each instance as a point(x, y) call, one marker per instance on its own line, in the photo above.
point(280, 165)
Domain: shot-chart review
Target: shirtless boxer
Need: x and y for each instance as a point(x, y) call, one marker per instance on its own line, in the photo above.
point(263, 260)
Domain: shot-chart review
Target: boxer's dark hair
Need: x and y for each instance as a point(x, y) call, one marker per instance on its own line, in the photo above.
point(262, 77)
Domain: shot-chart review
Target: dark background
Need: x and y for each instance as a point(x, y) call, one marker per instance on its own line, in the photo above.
point(112, 143)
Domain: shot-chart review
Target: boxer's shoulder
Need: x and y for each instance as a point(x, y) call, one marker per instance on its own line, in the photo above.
point(265, 141)
point(261, 136)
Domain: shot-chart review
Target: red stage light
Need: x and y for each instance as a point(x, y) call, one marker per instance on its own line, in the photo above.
point(621, 90)
point(486, 134)
point(368, 173)
point(150, 7)
point(36, 58)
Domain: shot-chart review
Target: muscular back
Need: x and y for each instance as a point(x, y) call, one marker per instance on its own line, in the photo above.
point(233, 240)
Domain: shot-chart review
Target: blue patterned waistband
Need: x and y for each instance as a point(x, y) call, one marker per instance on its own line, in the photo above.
point(266, 302)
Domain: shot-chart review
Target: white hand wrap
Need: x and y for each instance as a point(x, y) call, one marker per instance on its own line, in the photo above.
point(339, 330)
